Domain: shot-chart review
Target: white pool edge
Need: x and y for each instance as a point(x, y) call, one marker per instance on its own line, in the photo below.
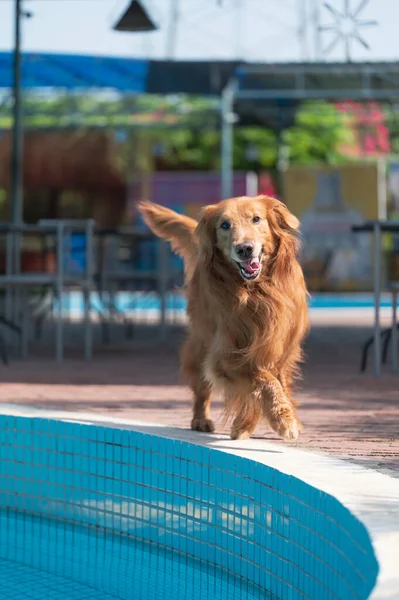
point(371, 496)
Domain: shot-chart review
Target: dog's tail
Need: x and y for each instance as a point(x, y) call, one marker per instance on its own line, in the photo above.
point(177, 229)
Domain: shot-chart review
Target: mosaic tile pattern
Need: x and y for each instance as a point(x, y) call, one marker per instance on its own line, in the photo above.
point(139, 516)
point(18, 582)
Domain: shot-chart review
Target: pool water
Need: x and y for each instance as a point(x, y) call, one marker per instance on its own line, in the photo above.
point(43, 558)
point(118, 513)
point(138, 301)
point(19, 582)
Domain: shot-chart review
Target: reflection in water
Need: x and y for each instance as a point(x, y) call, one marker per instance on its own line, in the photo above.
point(110, 563)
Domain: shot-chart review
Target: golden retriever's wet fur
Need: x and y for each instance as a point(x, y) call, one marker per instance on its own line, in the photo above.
point(245, 334)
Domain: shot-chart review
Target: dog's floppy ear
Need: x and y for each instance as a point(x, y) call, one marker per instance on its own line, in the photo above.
point(284, 226)
point(284, 217)
point(206, 233)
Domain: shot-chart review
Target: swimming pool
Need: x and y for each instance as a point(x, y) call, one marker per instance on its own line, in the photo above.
point(94, 511)
point(150, 301)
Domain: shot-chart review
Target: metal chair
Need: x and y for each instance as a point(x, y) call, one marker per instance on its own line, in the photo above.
point(75, 260)
point(390, 334)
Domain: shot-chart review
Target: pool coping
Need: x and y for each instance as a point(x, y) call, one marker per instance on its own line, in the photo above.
point(371, 496)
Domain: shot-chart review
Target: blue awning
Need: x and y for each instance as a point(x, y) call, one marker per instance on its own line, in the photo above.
point(134, 75)
point(71, 71)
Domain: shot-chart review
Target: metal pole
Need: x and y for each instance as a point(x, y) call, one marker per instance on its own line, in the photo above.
point(394, 334)
point(87, 290)
point(302, 29)
point(316, 30)
point(163, 282)
point(59, 281)
point(227, 116)
point(282, 153)
point(377, 298)
point(171, 36)
point(15, 207)
point(16, 156)
point(347, 49)
point(237, 29)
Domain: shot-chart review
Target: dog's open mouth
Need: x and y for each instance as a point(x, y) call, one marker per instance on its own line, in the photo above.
point(249, 269)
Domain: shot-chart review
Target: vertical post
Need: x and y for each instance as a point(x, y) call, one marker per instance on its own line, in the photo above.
point(282, 153)
point(377, 298)
point(302, 29)
point(238, 24)
point(227, 117)
point(88, 287)
point(171, 36)
point(25, 322)
point(9, 270)
point(16, 209)
point(347, 49)
point(252, 184)
point(163, 282)
point(16, 156)
point(59, 341)
point(394, 334)
point(316, 30)
point(382, 190)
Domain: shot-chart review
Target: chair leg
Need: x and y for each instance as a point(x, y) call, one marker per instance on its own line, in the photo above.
point(3, 350)
point(394, 333)
point(363, 361)
point(386, 346)
point(386, 333)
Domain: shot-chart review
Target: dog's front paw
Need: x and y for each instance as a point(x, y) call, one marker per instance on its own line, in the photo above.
point(204, 425)
point(283, 419)
point(289, 428)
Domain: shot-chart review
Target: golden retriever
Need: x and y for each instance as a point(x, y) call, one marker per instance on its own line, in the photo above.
point(247, 307)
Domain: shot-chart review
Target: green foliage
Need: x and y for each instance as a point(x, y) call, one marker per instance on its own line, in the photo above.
point(190, 148)
point(109, 110)
point(319, 135)
point(254, 148)
point(187, 130)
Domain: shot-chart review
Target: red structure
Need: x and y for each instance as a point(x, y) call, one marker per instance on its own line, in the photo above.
point(368, 124)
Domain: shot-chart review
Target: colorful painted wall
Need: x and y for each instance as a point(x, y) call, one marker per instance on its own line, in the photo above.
point(186, 193)
point(328, 201)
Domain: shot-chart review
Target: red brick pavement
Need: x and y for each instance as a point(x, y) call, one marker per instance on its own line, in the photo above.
point(347, 414)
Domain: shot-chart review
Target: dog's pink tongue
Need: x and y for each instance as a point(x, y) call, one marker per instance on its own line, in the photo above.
point(250, 265)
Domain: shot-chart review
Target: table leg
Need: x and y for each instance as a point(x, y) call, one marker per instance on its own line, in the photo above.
point(377, 299)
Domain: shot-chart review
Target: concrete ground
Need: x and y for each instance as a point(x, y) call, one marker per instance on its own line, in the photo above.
point(347, 414)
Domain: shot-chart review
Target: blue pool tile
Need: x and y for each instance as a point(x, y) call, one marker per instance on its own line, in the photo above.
point(231, 514)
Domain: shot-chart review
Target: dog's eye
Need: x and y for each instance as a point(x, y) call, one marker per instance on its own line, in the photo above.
point(256, 220)
point(225, 225)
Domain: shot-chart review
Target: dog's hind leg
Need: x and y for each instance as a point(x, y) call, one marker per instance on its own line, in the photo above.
point(245, 423)
point(192, 360)
point(242, 403)
point(278, 409)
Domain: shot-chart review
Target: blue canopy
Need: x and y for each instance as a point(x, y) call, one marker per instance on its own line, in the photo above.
point(71, 71)
point(134, 75)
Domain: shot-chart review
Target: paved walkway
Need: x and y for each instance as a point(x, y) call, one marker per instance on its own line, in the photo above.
point(344, 413)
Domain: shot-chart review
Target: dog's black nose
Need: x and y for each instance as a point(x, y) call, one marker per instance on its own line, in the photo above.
point(245, 250)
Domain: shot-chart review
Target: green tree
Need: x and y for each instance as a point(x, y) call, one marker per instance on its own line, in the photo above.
point(255, 148)
point(319, 135)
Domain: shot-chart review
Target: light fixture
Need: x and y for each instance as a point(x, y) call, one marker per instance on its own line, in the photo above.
point(135, 19)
